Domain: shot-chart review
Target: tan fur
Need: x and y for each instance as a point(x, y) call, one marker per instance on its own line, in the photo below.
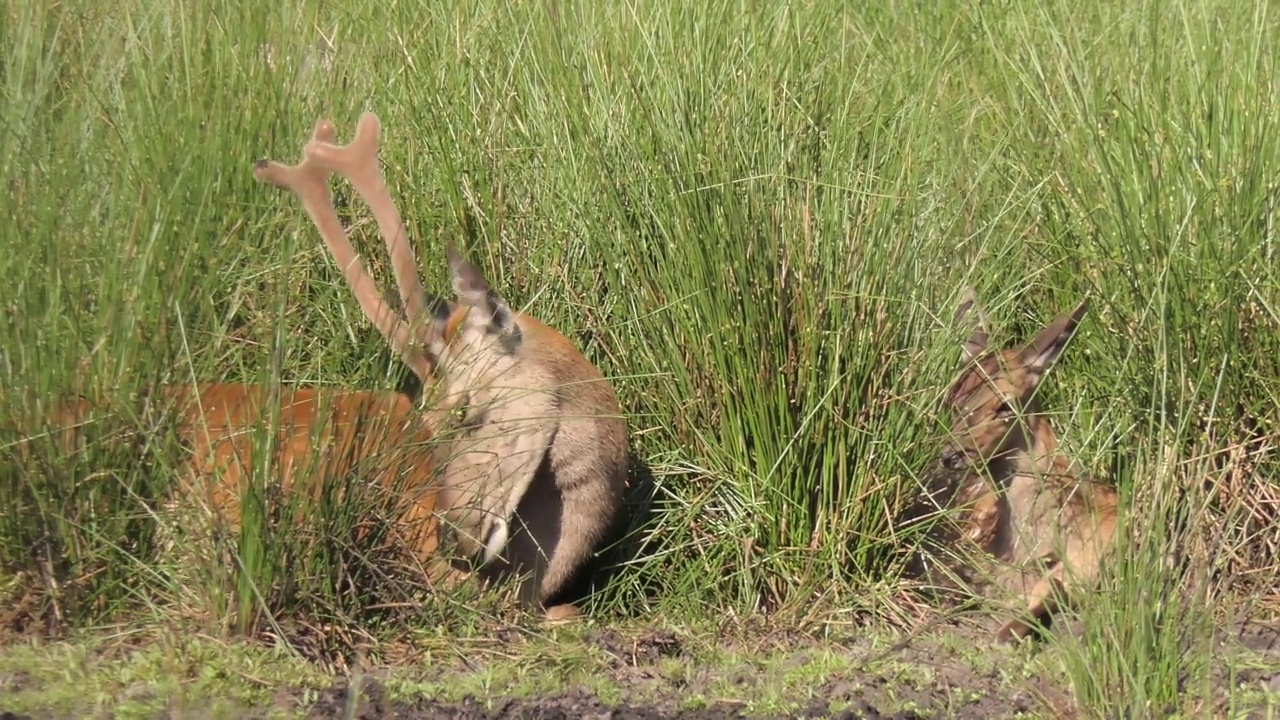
point(1050, 527)
point(535, 444)
point(526, 403)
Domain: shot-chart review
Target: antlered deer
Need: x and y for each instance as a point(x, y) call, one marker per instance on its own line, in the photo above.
point(1048, 527)
point(534, 454)
point(522, 447)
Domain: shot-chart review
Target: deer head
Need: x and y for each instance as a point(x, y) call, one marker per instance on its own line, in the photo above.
point(467, 351)
point(992, 401)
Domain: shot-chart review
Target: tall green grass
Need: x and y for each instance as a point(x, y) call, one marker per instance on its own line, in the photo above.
point(756, 217)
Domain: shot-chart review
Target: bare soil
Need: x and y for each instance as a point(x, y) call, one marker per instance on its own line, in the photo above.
point(566, 706)
point(929, 678)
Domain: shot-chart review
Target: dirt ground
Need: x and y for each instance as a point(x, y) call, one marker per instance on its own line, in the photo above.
point(952, 687)
point(571, 706)
point(950, 673)
point(933, 677)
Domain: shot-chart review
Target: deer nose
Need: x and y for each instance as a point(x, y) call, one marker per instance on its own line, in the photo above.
point(952, 459)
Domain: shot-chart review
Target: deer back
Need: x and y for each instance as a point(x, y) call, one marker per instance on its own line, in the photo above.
point(322, 436)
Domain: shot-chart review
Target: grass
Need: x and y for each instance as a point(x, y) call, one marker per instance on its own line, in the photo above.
point(756, 217)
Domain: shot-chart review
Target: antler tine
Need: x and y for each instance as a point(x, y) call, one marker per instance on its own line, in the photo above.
point(309, 181)
point(358, 161)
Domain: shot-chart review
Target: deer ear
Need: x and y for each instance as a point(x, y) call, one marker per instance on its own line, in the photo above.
point(487, 311)
point(977, 342)
point(1039, 354)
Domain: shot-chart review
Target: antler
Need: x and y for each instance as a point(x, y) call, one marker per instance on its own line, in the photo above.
point(358, 162)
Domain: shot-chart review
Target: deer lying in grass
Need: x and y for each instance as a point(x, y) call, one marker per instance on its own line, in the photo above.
point(1028, 508)
point(523, 451)
point(534, 459)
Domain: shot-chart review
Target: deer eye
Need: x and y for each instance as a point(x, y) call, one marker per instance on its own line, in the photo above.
point(1004, 410)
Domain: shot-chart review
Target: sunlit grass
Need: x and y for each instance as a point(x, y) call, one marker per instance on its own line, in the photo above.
point(756, 217)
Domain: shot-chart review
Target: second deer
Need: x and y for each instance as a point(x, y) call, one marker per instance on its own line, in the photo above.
point(1048, 527)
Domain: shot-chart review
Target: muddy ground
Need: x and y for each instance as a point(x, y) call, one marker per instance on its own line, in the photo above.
point(950, 673)
point(933, 677)
point(575, 705)
point(889, 693)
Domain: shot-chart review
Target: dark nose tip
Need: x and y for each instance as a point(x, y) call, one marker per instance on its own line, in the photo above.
point(952, 460)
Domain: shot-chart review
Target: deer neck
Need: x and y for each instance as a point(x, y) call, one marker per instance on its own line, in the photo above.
point(1033, 451)
point(1021, 476)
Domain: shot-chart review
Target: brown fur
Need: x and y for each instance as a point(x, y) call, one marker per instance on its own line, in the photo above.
point(1049, 526)
point(535, 443)
point(320, 434)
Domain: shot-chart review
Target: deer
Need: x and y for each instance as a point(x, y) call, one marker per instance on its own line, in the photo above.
point(517, 458)
point(1047, 526)
point(532, 446)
